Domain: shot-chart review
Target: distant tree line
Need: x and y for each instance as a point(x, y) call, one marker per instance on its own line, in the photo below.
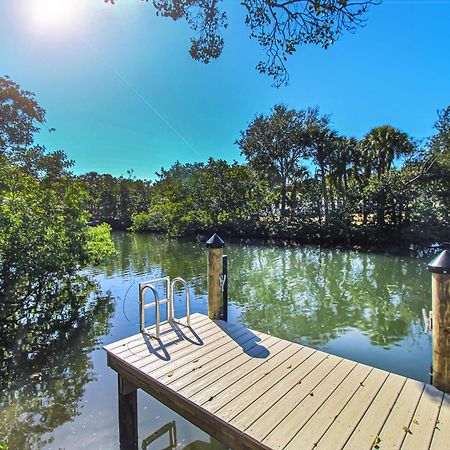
point(114, 200)
point(305, 182)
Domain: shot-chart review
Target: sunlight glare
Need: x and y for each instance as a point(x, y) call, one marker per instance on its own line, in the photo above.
point(51, 14)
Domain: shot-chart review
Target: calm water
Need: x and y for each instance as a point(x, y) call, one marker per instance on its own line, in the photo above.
point(361, 306)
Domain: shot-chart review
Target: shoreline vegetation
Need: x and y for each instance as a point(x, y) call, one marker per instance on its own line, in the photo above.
point(302, 183)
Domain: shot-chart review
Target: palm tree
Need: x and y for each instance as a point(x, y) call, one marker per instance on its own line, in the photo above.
point(382, 145)
point(322, 142)
point(380, 148)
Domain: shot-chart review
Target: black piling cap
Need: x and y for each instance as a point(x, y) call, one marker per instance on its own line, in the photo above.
point(440, 264)
point(215, 241)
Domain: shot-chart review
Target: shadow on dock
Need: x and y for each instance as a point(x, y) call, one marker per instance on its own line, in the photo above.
point(249, 341)
point(159, 348)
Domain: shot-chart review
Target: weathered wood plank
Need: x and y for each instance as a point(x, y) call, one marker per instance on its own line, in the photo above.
point(422, 426)
point(217, 354)
point(346, 420)
point(202, 393)
point(190, 385)
point(174, 347)
point(324, 416)
point(210, 351)
point(369, 426)
point(114, 347)
point(211, 371)
point(276, 375)
point(280, 436)
point(264, 402)
point(397, 424)
point(441, 436)
point(149, 364)
point(219, 397)
point(173, 340)
point(270, 418)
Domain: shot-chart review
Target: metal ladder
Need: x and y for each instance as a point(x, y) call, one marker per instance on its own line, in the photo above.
point(169, 301)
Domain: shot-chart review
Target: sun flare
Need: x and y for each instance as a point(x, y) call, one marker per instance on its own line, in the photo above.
point(47, 14)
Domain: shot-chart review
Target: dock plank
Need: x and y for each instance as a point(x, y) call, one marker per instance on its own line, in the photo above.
point(166, 328)
point(368, 428)
point(217, 355)
point(274, 377)
point(397, 424)
point(324, 416)
point(207, 374)
point(422, 426)
point(149, 364)
point(270, 418)
point(441, 436)
point(345, 422)
point(222, 393)
point(172, 340)
point(254, 391)
point(264, 403)
point(280, 436)
point(201, 392)
point(214, 348)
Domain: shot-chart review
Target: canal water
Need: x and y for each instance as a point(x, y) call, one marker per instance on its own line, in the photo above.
point(366, 307)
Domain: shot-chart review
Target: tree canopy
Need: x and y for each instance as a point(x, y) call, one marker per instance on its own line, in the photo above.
point(279, 26)
point(305, 182)
point(45, 239)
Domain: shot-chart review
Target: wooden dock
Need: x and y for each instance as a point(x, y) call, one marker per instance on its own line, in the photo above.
point(251, 390)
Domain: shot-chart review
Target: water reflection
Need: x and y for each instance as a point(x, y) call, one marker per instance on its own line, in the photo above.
point(44, 382)
point(302, 294)
point(166, 439)
point(313, 296)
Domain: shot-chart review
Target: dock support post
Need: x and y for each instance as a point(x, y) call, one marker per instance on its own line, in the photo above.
point(440, 286)
point(215, 247)
point(128, 424)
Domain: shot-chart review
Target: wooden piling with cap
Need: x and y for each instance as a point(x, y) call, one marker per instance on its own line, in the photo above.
point(440, 287)
point(215, 247)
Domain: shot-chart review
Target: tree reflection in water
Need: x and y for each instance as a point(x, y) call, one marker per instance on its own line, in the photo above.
point(44, 380)
point(303, 294)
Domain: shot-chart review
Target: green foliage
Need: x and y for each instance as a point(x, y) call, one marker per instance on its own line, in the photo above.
point(45, 239)
point(279, 26)
point(194, 198)
point(382, 190)
point(115, 200)
point(99, 245)
point(20, 116)
point(276, 145)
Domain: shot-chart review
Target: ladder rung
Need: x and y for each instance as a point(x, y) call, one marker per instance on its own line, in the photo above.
point(151, 305)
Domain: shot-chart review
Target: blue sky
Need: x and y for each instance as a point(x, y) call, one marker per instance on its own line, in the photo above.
point(123, 93)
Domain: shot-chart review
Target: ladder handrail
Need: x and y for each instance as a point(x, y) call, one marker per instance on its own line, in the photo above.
point(143, 306)
point(169, 300)
point(188, 300)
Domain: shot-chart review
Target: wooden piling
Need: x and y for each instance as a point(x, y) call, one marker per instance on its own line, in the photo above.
point(128, 423)
point(215, 247)
point(440, 286)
